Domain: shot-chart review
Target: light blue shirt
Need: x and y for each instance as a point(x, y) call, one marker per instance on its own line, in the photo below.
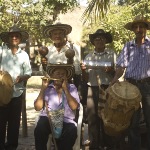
point(16, 65)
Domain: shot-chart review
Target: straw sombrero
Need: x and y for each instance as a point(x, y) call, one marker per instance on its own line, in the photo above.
point(138, 19)
point(4, 35)
point(69, 69)
point(49, 28)
point(101, 32)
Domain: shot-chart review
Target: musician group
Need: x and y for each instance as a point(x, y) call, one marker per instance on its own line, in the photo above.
point(68, 81)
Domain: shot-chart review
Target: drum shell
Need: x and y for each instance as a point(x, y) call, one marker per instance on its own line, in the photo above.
point(118, 111)
point(6, 88)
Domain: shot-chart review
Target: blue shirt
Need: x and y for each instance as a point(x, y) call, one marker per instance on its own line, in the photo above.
point(136, 59)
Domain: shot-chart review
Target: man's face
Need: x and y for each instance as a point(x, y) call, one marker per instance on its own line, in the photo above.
point(58, 36)
point(14, 38)
point(99, 42)
point(59, 74)
point(139, 29)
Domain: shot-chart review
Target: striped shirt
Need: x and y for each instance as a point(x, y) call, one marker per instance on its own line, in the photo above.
point(136, 59)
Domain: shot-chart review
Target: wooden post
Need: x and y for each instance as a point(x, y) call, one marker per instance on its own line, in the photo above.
point(24, 115)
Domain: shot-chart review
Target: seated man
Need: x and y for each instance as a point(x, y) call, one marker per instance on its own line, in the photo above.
point(52, 96)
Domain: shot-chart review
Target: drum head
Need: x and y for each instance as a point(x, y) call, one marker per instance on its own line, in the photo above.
point(6, 88)
point(125, 90)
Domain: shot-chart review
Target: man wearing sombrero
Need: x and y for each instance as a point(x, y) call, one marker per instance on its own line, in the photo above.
point(61, 51)
point(135, 59)
point(16, 62)
point(97, 70)
point(54, 96)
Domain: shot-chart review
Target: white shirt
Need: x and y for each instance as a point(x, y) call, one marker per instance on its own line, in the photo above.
point(16, 65)
point(55, 57)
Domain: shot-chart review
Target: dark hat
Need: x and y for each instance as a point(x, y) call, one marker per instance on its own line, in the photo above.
point(68, 67)
point(4, 35)
point(58, 26)
point(138, 19)
point(101, 32)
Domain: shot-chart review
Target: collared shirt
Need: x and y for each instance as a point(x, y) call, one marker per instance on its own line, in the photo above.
point(16, 65)
point(55, 57)
point(136, 59)
point(54, 102)
point(106, 58)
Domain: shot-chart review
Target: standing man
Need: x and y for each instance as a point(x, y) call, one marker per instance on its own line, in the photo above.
point(61, 51)
point(98, 77)
point(16, 62)
point(135, 59)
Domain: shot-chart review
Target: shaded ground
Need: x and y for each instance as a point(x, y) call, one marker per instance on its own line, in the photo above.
point(33, 88)
point(27, 143)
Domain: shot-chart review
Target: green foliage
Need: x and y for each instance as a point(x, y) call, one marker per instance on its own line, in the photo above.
point(114, 20)
point(32, 15)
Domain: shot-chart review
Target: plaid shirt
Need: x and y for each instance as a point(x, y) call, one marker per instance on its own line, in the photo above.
point(136, 59)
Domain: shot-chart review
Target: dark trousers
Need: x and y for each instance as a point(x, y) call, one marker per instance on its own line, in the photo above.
point(42, 131)
point(10, 122)
point(134, 134)
point(92, 116)
point(77, 80)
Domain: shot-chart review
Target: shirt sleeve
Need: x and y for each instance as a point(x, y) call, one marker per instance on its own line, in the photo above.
point(26, 65)
point(74, 92)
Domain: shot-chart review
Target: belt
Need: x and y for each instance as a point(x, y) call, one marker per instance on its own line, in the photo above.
point(145, 80)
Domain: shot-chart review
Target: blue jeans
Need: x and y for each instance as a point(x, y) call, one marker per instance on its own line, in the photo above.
point(134, 133)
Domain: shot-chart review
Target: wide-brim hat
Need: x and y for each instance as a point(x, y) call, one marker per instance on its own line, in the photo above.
point(137, 19)
point(5, 35)
point(101, 32)
point(70, 69)
point(49, 28)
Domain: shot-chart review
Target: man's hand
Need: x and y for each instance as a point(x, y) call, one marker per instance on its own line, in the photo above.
point(45, 82)
point(83, 67)
point(65, 84)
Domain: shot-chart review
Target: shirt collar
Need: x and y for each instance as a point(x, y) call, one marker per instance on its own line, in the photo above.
point(100, 53)
point(133, 43)
point(18, 51)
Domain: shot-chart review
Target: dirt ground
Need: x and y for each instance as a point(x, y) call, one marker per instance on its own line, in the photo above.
point(33, 88)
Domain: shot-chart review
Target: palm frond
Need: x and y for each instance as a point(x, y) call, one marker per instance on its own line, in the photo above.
point(95, 9)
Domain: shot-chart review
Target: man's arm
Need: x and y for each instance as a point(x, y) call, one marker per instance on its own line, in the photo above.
point(119, 72)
